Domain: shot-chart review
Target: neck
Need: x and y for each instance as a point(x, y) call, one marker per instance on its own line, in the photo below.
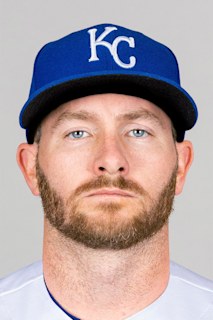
point(112, 283)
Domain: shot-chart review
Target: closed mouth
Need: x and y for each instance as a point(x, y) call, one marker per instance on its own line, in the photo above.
point(110, 192)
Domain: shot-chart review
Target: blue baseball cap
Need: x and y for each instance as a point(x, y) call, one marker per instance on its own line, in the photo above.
point(107, 59)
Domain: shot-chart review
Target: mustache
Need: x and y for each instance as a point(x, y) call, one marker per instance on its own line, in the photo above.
point(106, 182)
point(97, 183)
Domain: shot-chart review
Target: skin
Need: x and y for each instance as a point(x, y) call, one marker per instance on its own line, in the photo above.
point(106, 284)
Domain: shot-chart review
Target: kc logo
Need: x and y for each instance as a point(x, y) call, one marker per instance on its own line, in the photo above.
point(113, 48)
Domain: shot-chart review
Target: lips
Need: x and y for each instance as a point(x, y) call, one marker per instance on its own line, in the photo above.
point(110, 192)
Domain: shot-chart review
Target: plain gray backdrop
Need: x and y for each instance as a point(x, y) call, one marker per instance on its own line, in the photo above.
point(186, 26)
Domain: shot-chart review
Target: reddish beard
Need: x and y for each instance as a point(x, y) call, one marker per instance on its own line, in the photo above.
point(149, 215)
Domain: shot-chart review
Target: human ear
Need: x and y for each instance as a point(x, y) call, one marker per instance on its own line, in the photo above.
point(185, 158)
point(26, 158)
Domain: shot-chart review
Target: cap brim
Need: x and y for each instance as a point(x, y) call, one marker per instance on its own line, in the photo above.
point(170, 97)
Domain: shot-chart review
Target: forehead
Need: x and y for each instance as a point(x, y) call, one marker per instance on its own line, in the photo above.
point(104, 105)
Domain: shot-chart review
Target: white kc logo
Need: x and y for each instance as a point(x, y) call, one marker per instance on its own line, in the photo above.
point(113, 48)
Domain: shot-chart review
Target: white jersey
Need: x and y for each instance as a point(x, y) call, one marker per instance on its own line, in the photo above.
point(23, 296)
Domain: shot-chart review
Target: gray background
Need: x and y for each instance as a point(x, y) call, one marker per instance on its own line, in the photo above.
point(184, 25)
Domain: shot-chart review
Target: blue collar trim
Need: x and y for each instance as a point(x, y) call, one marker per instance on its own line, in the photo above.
point(56, 302)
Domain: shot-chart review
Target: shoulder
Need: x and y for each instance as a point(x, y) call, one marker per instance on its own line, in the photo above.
point(191, 279)
point(191, 292)
point(18, 291)
point(23, 296)
point(20, 279)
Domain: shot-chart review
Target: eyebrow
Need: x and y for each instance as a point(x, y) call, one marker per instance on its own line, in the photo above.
point(80, 115)
point(141, 114)
point(89, 116)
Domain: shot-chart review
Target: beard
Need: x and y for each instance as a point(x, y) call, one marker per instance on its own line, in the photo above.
point(109, 229)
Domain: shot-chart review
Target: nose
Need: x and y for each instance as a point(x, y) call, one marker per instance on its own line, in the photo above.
point(111, 158)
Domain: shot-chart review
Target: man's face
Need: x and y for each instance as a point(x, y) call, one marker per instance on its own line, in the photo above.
point(106, 170)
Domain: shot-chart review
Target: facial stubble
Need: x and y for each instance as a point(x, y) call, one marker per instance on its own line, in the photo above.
point(149, 215)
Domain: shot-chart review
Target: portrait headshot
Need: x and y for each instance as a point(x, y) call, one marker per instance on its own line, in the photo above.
point(106, 161)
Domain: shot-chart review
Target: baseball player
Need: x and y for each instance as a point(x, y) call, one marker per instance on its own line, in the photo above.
point(105, 124)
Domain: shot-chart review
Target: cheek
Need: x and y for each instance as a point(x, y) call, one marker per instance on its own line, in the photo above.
point(65, 171)
point(153, 169)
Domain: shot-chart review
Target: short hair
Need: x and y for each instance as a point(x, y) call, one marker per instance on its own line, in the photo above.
point(37, 136)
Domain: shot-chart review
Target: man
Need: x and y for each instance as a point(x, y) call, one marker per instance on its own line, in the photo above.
point(105, 124)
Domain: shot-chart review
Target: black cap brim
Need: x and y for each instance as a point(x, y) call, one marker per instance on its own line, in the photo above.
point(173, 100)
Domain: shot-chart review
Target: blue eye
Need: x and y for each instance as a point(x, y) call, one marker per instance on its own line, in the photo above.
point(138, 133)
point(78, 134)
